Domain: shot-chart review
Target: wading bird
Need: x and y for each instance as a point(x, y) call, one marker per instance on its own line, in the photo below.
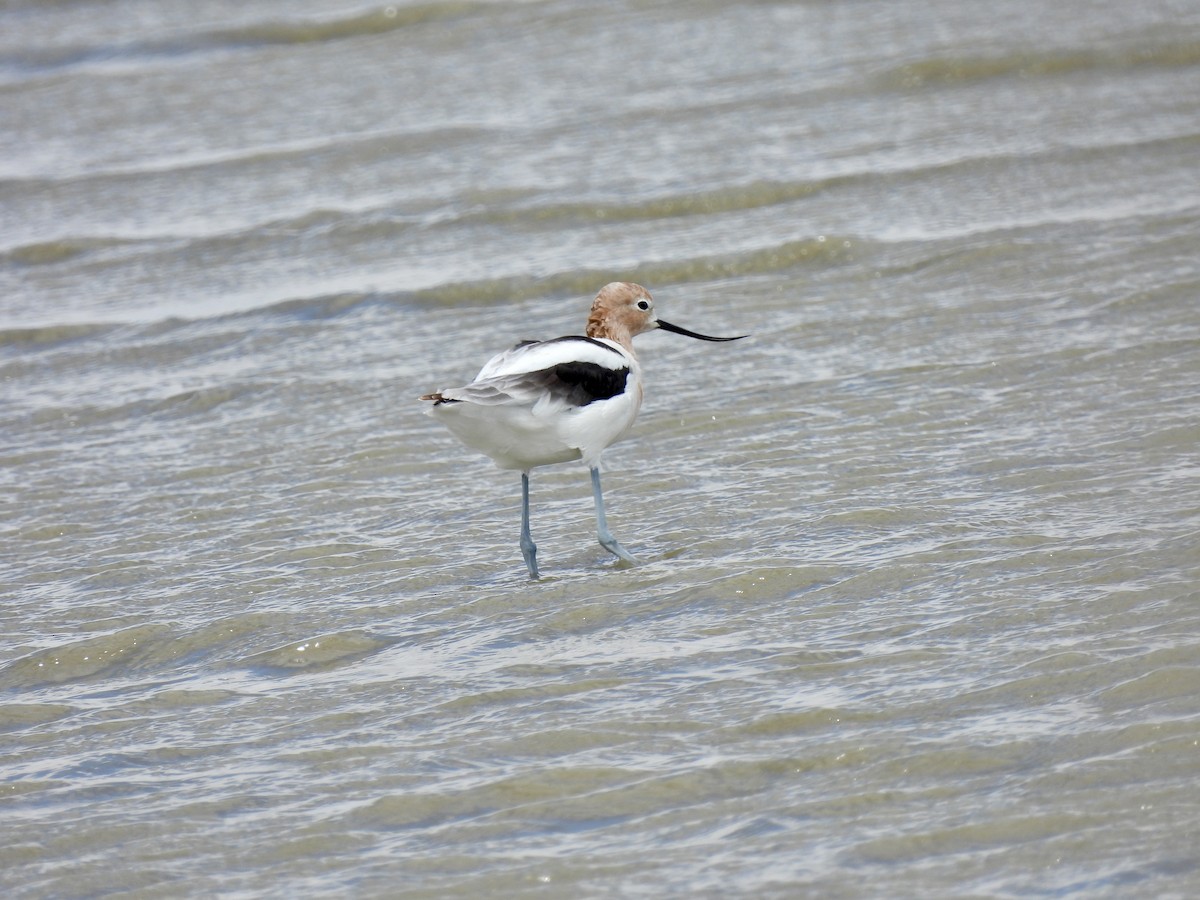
point(545, 402)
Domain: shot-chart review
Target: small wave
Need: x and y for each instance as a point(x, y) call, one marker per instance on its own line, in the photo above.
point(203, 400)
point(955, 70)
point(381, 20)
point(326, 651)
point(85, 658)
point(183, 405)
point(753, 195)
point(350, 150)
point(376, 21)
point(40, 337)
point(15, 716)
point(329, 306)
point(47, 252)
point(821, 250)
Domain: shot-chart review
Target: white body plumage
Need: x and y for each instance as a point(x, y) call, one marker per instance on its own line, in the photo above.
point(545, 402)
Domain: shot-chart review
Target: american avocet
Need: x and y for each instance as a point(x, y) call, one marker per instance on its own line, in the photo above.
point(546, 402)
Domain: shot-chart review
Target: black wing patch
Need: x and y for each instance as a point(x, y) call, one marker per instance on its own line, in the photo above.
point(581, 383)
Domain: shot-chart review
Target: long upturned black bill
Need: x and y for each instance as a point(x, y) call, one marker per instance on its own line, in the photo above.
point(667, 326)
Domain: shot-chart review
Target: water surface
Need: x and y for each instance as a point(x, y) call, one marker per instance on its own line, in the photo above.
point(917, 605)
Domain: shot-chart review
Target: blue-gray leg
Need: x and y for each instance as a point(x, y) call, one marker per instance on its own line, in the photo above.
point(528, 547)
point(607, 541)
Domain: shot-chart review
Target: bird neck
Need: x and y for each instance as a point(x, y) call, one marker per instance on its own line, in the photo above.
point(601, 326)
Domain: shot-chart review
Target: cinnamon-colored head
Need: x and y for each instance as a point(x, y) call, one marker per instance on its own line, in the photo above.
point(620, 311)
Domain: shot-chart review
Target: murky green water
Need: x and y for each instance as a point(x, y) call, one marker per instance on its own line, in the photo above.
point(919, 592)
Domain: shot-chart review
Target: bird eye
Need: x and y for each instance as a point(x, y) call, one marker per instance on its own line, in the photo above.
point(643, 304)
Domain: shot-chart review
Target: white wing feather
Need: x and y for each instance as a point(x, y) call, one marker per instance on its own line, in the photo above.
point(533, 356)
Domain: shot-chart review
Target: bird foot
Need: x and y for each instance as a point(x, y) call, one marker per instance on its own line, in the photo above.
point(613, 546)
point(529, 552)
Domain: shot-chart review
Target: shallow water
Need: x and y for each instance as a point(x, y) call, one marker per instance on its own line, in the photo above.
point(917, 604)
